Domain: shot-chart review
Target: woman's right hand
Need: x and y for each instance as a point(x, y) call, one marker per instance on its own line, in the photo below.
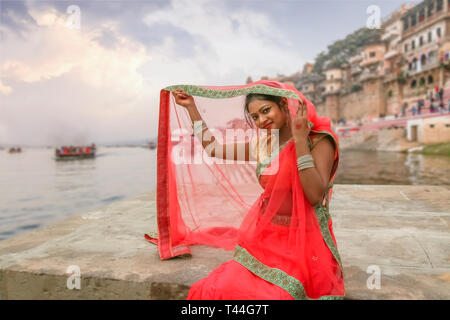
point(183, 99)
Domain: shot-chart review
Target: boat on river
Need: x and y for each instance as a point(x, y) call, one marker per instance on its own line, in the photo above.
point(15, 150)
point(75, 153)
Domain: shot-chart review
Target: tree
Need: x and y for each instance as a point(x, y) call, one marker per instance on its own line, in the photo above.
point(342, 50)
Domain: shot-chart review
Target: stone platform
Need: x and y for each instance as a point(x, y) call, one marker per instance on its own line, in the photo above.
point(402, 231)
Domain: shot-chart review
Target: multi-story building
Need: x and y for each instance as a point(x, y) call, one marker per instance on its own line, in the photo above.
point(309, 84)
point(333, 80)
point(425, 31)
point(355, 69)
point(372, 63)
point(392, 33)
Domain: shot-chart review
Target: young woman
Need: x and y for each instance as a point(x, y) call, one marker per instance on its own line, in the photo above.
point(285, 248)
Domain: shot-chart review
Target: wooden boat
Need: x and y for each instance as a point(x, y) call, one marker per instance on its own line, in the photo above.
point(75, 153)
point(15, 150)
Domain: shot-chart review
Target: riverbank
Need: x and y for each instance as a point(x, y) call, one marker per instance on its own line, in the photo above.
point(402, 230)
point(387, 139)
point(441, 149)
point(399, 135)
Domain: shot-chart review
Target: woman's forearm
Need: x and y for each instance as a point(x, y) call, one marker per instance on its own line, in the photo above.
point(312, 183)
point(195, 116)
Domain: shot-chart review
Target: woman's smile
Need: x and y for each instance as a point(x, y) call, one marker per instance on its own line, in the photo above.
point(268, 125)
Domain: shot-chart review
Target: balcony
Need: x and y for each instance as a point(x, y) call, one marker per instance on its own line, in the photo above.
point(368, 75)
point(390, 76)
point(430, 64)
point(424, 24)
point(370, 62)
point(389, 36)
point(355, 70)
point(331, 91)
point(391, 54)
point(333, 80)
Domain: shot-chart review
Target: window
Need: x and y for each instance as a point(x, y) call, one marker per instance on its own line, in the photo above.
point(430, 9)
point(405, 23)
point(421, 14)
point(413, 84)
point(421, 81)
point(420, 41)
point(413, 44)
point(429, 37)
point(438, 32)
point(423, 60)
point(414, 64)
point(413, 20)
point(406, 47)
point(439, 5)
point(430, 79)
point(372, 54)
point(431, 125)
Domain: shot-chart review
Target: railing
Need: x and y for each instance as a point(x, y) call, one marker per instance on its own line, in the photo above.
point(430, 64)
point(422, 24)
point(390, 76)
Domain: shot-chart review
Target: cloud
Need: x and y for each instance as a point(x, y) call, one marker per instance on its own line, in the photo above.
point(60, 84)
point(101, 83)
point(226, 42)
point(54, 49)
point(4, 89)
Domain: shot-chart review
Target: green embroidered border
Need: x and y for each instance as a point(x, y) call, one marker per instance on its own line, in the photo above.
point(261, 166)
point(272, 275)
point(223, 94)
point(276, 276)
point(329, 134)
point(323, 216)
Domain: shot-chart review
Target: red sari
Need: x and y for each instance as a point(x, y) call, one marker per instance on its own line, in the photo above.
point(283, 247)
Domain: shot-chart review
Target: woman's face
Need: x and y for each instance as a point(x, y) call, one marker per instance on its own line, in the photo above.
point(266, 114)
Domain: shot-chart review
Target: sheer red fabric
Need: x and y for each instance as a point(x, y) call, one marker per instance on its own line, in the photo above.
point(284, 248)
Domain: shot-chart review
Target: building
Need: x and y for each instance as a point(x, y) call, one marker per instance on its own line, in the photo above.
point(309, 84)
point(429, 130)
point(425, 31)
point(393, 59)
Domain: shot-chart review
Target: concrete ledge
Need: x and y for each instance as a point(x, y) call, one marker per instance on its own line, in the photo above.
point(404, 230)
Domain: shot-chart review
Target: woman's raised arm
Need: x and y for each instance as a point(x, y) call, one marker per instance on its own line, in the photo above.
point(240, 151)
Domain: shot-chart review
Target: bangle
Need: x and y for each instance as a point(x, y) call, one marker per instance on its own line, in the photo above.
point(305, 162)
point(198, 127)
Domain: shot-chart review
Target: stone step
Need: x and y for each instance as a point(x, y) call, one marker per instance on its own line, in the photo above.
point(401, 231)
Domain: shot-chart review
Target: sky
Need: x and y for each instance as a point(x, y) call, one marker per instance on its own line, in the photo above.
point(77, 72)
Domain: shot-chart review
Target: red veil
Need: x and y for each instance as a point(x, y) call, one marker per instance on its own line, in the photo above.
point(261, 213)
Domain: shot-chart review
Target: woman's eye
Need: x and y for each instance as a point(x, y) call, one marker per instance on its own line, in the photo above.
point(254, 118)
point(266, 110)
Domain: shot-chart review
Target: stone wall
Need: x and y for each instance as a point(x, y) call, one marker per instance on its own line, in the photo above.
point(382, 140)
point(436, 130)
point(394, 97)
point(367, 103)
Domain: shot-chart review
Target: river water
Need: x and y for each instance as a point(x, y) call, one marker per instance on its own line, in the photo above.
point(36, 190)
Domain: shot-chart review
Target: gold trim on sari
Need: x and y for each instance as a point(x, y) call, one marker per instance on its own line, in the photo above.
point(274, 275)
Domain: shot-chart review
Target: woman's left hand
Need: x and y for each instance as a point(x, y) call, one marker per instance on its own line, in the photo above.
point(300, 127)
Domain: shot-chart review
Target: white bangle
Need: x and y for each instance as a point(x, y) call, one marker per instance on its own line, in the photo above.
point(305, 162)
point(198, 127)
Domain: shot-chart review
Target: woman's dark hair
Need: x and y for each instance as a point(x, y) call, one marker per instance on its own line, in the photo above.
point(259, 96)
